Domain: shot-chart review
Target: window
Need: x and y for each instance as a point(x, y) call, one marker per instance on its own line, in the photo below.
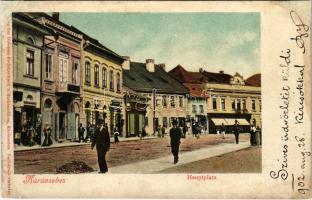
point(87, 73)
point(172, 103)
point(165, 122)
point(63, 69)
point(104, 77)
point(194, 108)
point(201, 108)
point(164, 101)
point(30, 62)
point(214, 103)
point(253, 105)
point(223, 103)
point(118, 82)
point(244, 104)
point(75, 71)
point(48, 66)
point(233, 104)
point(238, 104)
point(96, 75)
point(111, 80)
point(180, 101)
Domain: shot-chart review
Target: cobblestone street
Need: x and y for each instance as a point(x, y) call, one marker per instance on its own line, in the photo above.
point(126, 152)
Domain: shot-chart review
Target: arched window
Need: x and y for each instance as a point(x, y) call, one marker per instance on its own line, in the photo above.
point(30, 40)
point(96, 75)
point(87, 73)
point(104, 77)
point(118, 82)
point(111, 80)
point(47, 104)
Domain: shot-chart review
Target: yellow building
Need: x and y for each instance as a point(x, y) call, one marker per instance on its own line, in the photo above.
point(233, 98)
point(102, 85)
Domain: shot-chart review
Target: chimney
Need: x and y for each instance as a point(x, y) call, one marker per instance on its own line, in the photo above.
point(150, 65)
point(163, 66)
point(126, 63)
point(56, 15)
point(221, 72)
point(201, 70)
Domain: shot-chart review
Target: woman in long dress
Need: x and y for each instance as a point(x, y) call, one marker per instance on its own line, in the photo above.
point(47, 135)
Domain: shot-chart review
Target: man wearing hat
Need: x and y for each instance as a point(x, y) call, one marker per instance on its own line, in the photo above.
point(175, 136)
point(236, 131)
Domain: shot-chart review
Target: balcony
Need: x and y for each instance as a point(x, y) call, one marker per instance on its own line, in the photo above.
point(65, 87)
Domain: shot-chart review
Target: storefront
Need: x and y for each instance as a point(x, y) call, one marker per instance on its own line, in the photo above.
point(216, 120)
point(135, 114)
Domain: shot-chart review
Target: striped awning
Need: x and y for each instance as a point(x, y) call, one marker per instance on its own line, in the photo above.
point(218, 121)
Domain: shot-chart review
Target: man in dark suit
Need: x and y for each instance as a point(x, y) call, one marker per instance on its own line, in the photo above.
point(102, 142)
point(236, 131)
point(81, 131)
point(175, 137)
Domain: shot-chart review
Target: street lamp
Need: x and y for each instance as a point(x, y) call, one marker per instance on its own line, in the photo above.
point(154, 109)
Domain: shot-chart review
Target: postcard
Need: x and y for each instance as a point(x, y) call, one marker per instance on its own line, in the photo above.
point(156, 99)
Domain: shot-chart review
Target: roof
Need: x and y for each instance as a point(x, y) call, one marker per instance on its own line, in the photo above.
point(199, 77)
point(254, 80)
point(195, 89)
point(141, 80)
point(218, 77)
point(33, 22)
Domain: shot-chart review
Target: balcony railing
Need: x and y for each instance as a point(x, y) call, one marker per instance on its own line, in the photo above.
point(68, 87)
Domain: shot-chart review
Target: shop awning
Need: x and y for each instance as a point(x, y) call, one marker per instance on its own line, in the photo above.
point(230, 122)
point(218, 121)
point(243, 122)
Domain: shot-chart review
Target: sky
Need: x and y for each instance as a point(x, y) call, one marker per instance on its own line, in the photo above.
point(212, 41)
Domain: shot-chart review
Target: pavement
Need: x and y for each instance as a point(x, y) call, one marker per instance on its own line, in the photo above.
point(69, 144)
point(159, 164)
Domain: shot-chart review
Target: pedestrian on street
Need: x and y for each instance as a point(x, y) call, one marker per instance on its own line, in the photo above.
point(47, 135)
point(143, 133)
point(163, 131)
point(253, 140)
point(88, 135)
point(24, 133)
point(116, 134)
point(175, 137)
point(184, 131)
point(81, 131)
point(236, 131)
point(222, 129)
point(102, 142)
point(159, 131)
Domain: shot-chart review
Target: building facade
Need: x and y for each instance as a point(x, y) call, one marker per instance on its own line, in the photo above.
point(61, 78)
point(102, 86)
point(165, 96)
point(28, 42)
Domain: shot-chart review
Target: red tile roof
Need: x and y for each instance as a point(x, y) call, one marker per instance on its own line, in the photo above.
point(194, 89)
point(254, 80)
point(184, 76)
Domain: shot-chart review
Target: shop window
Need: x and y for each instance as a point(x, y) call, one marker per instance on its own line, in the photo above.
point(165, 122)
point(30, 60)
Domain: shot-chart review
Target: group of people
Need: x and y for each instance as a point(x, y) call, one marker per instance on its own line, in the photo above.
point(29, 134)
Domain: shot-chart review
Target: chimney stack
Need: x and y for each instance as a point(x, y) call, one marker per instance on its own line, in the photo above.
point(163, 66)
point(126, 63)
point(56, 15)
point(150, 65)
point(221, 72)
